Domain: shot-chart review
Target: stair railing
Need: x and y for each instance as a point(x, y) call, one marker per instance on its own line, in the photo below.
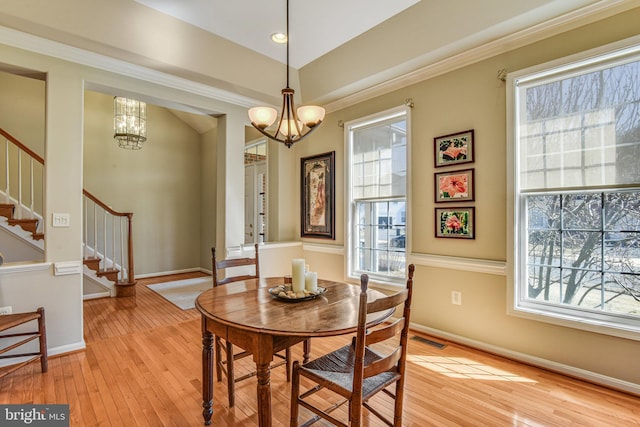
point(108, 235)
point(16, 154)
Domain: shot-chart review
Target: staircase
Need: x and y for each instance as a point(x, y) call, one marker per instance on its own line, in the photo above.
point(107, 237)
point(29, 225)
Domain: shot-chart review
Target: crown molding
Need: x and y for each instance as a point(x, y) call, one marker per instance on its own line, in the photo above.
point(42, 46)
point(583, 16)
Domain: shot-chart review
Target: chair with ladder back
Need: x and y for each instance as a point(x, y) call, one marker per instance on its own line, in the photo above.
point(374, 361)
point(225, 363)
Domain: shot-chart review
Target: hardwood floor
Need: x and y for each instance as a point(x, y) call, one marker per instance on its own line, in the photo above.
point(142, 367)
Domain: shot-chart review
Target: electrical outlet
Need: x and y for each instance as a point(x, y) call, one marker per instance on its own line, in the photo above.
point(5, 310)
point(456, 297)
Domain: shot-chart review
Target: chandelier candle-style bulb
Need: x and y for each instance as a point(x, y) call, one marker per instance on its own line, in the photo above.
point(129, 122)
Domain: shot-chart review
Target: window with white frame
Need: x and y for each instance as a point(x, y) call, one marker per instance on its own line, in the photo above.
point(576, 186)
point(377, 195)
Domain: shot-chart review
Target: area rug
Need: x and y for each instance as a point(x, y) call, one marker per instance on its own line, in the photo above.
point(183, 293)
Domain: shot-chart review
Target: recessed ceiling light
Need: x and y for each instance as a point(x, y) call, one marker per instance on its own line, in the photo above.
point(279, 37)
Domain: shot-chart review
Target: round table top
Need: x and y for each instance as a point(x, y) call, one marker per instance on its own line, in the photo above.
point(249, 305)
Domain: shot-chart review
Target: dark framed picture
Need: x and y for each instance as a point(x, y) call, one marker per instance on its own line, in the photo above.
point(454, 186)
point(318, 196)
point(454, 149)
point(457, 223)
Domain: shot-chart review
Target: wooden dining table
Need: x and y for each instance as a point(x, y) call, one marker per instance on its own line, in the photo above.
point(247, 315)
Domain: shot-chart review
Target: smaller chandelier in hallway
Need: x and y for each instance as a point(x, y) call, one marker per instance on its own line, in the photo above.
point(129, 122)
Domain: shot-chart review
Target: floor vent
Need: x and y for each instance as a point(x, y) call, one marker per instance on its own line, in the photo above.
point(429, 342)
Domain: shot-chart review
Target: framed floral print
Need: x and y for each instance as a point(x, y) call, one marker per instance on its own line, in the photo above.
point(458, 223)
point(454, 149)
point(454, 186)
point(318, 196)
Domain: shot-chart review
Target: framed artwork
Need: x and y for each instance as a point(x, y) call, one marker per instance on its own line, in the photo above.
point(454, 186)
point(458, 223)
point(318, 196)
point(454, 149)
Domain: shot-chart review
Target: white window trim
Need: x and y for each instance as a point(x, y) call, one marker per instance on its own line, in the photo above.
point(605, 54)
point(348, 208)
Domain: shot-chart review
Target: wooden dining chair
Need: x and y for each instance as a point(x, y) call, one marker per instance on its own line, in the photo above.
point(10, 321)
point(358, 371)
point(224, 364)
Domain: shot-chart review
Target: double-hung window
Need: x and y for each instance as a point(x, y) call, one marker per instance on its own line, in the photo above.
point(576, 191)
point(377, 148)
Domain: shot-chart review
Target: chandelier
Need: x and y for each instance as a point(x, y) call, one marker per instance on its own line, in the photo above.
point(129, 122)
point(294, 125)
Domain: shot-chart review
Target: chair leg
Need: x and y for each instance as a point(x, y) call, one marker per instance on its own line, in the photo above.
point(397, 410)
point(287, 356)
point(355, 412)
point(295, 391)
point(230, 375)
point(218, 353)
point(42, 330)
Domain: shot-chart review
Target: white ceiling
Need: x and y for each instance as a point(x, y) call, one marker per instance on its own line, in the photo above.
point(315, 27)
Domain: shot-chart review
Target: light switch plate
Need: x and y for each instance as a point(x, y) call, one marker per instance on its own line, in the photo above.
point(60, 219)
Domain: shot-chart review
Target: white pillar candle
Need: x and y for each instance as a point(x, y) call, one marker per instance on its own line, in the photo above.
point(311, 281)
point(297, 275)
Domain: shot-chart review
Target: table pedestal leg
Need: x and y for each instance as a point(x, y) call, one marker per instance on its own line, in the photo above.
point(207, 374)
point(264, 395)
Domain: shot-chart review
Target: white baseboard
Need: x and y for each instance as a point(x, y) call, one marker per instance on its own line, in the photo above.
point(166, 273)
point(571, 371)
point(96, 295)
point(68, 348)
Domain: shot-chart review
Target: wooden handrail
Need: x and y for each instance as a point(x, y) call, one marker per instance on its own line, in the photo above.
point(130, 276)
point(97, 201)
point(21, 146)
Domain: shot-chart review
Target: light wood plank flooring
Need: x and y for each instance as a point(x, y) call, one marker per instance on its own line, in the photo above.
point(142, 367)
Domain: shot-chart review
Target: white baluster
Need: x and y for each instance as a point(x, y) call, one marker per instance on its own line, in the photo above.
point(6, 173)
point(32, 195)
point(113, 241)
point(95, 230)
point(20, 181)
point(104, 232)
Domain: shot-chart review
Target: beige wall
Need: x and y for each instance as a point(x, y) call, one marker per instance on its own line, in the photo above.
point(473, 98)
point(22, 109)
point(161, 183)
point(22, 116)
